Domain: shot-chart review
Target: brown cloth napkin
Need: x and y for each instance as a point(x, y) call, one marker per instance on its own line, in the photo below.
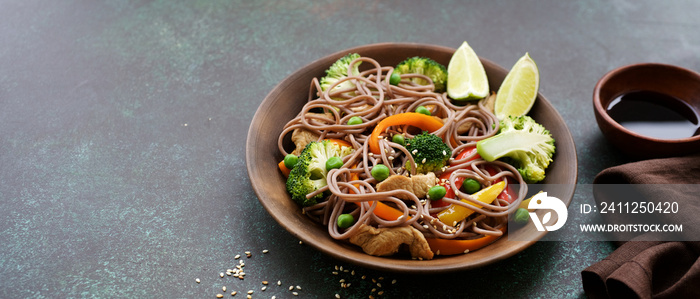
point(652, 269)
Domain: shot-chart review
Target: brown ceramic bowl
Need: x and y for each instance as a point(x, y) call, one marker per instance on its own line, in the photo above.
point(285, 101)
point(671, 80)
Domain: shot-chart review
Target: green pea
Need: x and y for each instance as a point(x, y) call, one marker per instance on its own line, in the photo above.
point(355, 120)
point(398, 138)
point(380, 172)
point(345, 220)
point(333, 163)
point(290, 160)
point(423, 110)
point(394, 79)
point(437, 192)
point(470, 186)
point(521, 216)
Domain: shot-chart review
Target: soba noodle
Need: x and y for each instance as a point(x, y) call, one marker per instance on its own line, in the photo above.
point(372, 99)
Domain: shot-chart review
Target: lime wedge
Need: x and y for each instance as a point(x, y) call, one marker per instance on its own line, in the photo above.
point(518, 91)
point(466, 78)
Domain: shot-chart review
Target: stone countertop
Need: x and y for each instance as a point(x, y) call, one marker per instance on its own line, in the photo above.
point(123, 128)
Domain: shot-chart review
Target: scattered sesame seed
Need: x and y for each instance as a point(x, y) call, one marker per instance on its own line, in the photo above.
point(380, 293)
point(381, 277)
point(337, 296)
point(234, 293)
point(248, 296)
point(342, 280)
point(237, 256)
point(263, 288)
point(334, 272)
point(279, 282)
point(219, 296)
point(295, 293)
point(291, 288)
point(265, 282)
point(221, 274)
point(373, 290)
point(380, 285)
point(250, 292)
point(437, 253)
point(223, 288)
point(363, 276)
point(197, 280)
point(298, 288)
point(266, 251)
point(353, 272)
point(394, 281)
point(424, 159)
point(300, 242)
point(273, 297)
point(466, 251)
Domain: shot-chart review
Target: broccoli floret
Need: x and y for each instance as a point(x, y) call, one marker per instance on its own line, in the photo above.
point(524, 144)
point(424, 66)
point(309, 174)
point(429, 152)
point(339, 70)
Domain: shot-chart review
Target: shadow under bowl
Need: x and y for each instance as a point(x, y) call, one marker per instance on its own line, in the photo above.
point(674, 81)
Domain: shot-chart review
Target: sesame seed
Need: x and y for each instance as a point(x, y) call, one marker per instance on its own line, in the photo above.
point(334, 272)
point(414, 152)
point(298, 288)
point(291, 288)
point(250, 292)
point(249, 296)
point(263, 288)
point(466, 251)
point(394, 281)
point(342, 280)
point(237, 256)
point(295, 293)
point(381, 277)
point(380, 293)
point(424, 159)
point(437, 253)
point(279, 283)
point(197, 280)
point(444, 153)
point(380, 285)
point(373, 290)
point(266, 251)
point(300, 242)
point(219, 296)
point(223, 288)
point(234, 293)
point(337, 296)
point(221, 274)
point(353, 272)
point(265, 282)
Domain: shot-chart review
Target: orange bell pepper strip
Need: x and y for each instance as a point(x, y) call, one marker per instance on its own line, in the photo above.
point(452, 246)
point(382, 210)
point(284, 169)
point(421, 121)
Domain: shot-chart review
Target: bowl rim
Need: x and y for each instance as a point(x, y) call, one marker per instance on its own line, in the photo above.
point(602, 111)
point(410, 266)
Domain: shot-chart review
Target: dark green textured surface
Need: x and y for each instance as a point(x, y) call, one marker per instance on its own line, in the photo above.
point(123, 127)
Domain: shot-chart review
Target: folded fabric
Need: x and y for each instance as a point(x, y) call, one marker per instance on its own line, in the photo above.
point(652, 269)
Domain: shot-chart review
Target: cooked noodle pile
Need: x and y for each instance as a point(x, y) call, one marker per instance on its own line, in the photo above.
point(373, 99)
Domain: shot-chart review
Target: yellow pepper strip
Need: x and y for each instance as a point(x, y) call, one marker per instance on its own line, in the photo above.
point(525, 203)
point(456, 213)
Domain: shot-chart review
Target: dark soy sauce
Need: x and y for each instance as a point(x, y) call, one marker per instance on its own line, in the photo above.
point(654, 115)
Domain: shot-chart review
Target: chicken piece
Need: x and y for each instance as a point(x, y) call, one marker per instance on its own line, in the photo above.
point(301, 138)
point(418, 184)
point(387, 240)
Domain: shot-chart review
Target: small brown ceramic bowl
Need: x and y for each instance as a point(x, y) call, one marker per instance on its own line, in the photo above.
point(670, 80)
point(285, 101)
